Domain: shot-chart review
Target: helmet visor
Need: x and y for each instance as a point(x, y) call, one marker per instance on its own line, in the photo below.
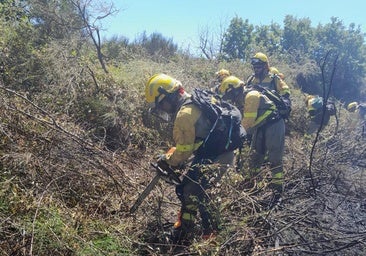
point(256, 61)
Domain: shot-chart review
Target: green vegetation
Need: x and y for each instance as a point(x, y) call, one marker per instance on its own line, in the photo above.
point(76, 139)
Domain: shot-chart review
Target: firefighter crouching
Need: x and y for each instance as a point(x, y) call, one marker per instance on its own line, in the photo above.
point(167, 94)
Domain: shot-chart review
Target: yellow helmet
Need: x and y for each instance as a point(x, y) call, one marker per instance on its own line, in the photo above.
point(158, 86)
point(352, 106)
point(308, 98)
point(222, 73)
point(229, 83)
point(274, 70)
point(259, 58)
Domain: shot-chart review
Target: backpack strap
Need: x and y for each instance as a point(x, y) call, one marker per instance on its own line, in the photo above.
point(273, 80)
point(250, 79)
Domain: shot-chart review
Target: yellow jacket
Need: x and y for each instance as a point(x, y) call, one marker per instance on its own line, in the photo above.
point(257, 109)
point(278, 84)
point(189, 131)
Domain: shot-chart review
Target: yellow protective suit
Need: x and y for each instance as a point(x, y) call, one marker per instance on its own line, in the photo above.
point(261, 120)
point(272, 82)
point(189, 130)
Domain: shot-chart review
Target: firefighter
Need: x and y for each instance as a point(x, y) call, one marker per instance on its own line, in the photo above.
point(231, 90)
point(265, 120)
point(263, 76)
point(266, 127)
point(262, 120)
point(219, 77)
point(222, 74)
point(275, 71)
point(189, 130)
point(360, 110)
point(318, 117)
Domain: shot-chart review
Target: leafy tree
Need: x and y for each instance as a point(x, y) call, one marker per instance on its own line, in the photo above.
point(56, 19)
point(12, 10)
point(350, 47)
point(268, 37)
point(302, 43)
point(66, 19)
point(298, 35)
point(19, 65)
point(237, 39)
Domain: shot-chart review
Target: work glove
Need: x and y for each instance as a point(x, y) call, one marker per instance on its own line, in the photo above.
point(163, 164)
point(167, 155)
point(168, 173)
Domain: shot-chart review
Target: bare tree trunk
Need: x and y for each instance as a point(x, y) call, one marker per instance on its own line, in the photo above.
point(93, 30)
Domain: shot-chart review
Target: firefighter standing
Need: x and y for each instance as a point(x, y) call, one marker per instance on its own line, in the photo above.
point(263, 120)
point(264, 77)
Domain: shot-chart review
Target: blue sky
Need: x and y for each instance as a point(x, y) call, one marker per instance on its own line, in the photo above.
point(184, 20)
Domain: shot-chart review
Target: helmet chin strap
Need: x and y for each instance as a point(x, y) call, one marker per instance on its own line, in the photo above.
point(234, 94)
point(174, 100)
point(168, 106)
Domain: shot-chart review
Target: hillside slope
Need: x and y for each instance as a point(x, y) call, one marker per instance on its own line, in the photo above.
point(64, 192)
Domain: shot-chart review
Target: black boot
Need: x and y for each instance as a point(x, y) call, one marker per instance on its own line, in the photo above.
point(182, 235)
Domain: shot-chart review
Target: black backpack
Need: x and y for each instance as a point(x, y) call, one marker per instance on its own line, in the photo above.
point(283, 107)
point(227, 133)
